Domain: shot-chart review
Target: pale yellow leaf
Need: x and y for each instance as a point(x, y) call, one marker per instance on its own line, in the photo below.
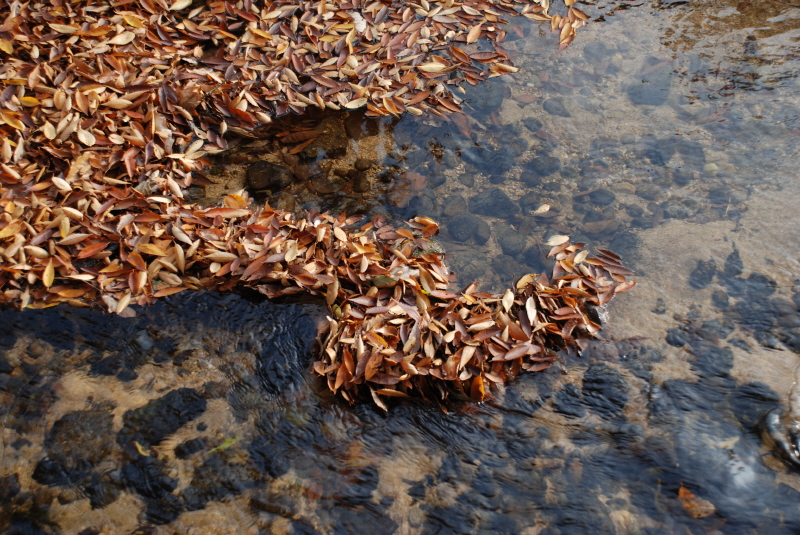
point(49, 274)
point(63, 28)
point(122, 39)
point(557, 239)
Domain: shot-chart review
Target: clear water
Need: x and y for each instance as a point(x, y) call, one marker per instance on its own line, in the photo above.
point(668, 132)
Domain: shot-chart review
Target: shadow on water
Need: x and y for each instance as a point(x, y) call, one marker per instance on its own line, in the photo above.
point(666, 133)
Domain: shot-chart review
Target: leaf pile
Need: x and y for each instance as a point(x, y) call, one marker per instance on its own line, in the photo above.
point(407, 334)
point(395, 326)
point(107, 108)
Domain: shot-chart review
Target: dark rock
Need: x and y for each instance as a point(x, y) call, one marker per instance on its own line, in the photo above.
point(467, 179)
point(150, 424)
point(676, 338)
point(462, 227)
point(648, 191)
point(532, 180)
point(682, 178)
point(751, 402)
point(362, 164)
point(767, 339)
point(482, 232)
point(634, 210)
point(5, 366)
point(568, 401)
point(711, 360)
point(544, 165)
point(189, 448)
point(602, 197)
point(554, 106)
point(164, 510)
point(604, 390)
point(483, 483)
point(465, 226)
point(757, 315)
point(673, 210)
point(517, 146)
point(283, 354)
point(720, 300)
point(268, 176)
point(435, 175)
point(454, 205)
point(532, 123)
point(9, 488)
point(146, 476)
point(717, 329)
point(493, 162)
point(493, 202)
point(532, 201)
point(652, 89)
point(661, 307)
point(361, 184)
point(511, 241)
point(50, 472)
point(214, 481)
point(628, 434)
point(267, 457)
point(760, 285)
point(420, 205)
point(703, 274)
point(687, 396)
point(102, 491)
point(80, 437)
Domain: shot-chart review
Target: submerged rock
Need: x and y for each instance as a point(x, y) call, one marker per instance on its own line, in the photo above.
point(605, 390)
point(150, 424)
point(544, 165)
point(555, 106)
point(264, 175)
point(493, 202)
point(703, 274)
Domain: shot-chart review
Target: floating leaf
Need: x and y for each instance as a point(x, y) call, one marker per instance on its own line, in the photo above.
point(694, 506)
point(557, 239)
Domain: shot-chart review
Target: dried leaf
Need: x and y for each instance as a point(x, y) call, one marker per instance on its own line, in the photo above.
point(557, 239)
point(122, 39)
point(49, 274)
point(474, 33)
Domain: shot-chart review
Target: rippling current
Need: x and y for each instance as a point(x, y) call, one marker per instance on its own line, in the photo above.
point(668, 132)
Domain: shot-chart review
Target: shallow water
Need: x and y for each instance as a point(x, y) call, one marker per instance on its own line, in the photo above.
point(669, 133)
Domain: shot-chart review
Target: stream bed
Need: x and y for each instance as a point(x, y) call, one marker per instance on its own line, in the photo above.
point(668, 133)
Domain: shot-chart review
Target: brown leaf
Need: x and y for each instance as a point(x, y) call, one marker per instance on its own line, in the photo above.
point(694, 506)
